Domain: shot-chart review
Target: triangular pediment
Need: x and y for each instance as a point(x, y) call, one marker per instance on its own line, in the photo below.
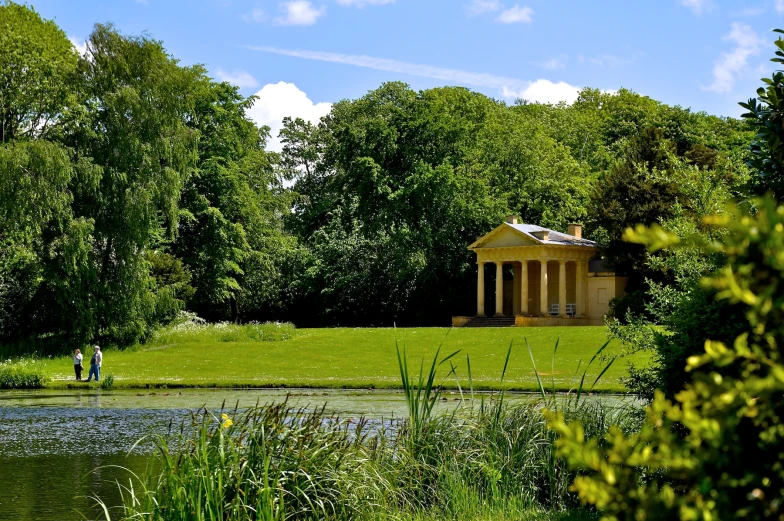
point(504, 237)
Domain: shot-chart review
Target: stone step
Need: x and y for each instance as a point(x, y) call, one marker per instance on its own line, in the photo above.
point(491, 322)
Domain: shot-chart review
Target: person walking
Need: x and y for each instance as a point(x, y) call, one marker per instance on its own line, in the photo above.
point(78, 367)
point(95, 365)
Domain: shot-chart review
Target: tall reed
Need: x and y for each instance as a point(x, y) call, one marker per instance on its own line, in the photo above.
point(277, 462)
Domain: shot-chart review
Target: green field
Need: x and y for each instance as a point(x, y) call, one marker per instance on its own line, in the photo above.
point(356, 358)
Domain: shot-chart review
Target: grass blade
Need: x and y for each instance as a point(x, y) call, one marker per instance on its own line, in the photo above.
point(539, 381)
point(552, 366)
point(582, 380)
point(603, 371)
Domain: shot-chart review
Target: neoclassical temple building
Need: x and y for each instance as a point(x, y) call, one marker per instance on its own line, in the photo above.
point(541, 278)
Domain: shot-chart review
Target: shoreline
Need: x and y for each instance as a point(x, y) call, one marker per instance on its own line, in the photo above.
point(61, 385)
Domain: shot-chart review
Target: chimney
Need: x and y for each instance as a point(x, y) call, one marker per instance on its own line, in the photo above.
point(576, 230)
point(511, 219)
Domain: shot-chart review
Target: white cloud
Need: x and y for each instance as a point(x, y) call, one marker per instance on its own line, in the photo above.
point(239, 78)
point(780, 6)
point(279, 100)
point(540, 90)
point(697, 6)
point(733, 63)
point(300, 12)
point(79, 45)
point(383, 64)
point(257, 15)
point(477, 7)
point(516, 14)
point(363, 3)
point(546, 91)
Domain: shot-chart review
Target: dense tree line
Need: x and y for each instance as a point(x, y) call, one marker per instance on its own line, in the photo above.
point(132, 187)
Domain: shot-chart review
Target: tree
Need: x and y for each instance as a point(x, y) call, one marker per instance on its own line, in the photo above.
point(37, 67)
point(43, 245)
point(386, 181)
point(231, 232)
point(765, 113)
point(132, 129)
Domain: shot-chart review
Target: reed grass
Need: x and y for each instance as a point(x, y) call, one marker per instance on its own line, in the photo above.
point(483, 460)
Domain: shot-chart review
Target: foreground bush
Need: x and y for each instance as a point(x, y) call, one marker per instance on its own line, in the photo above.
point(718, 451)
point(26, 373)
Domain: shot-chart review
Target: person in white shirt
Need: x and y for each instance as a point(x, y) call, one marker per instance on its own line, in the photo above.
point(78, 367)
point(95, 365)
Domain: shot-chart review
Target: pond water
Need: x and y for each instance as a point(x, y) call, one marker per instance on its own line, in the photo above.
point(60, 450)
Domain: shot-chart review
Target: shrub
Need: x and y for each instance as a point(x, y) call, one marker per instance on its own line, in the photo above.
point(25, 373)
point(190, 328)
point(107, 382)
point(717, 452)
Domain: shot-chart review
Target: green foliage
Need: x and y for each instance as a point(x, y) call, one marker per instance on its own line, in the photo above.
point(107, 382)
point(130, 187)
point(133, 132)
point(726, 464)
point(190, 328)
point(639, 189)
point(37, 66)
point(764, 114)
point(395, 184)
point(665, 297)
point(172, 283)
point(24, 373)
point(230, 234)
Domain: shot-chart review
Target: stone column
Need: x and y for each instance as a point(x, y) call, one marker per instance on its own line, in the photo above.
point(480, 290)
point(499, 289)
point(580, 275)
point(562, 288)
point(524, 288)
point(543, 302)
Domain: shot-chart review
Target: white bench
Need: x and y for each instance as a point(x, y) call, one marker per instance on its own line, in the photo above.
point(554, 310)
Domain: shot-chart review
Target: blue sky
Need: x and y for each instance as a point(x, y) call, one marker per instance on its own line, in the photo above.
point(302, 55)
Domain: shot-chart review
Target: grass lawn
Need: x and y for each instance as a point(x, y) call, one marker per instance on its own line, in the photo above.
point(357, 358)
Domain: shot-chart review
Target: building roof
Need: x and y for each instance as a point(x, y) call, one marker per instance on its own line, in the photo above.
point(528, 230)
point(554, 236)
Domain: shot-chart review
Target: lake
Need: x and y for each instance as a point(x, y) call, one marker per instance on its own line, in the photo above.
point(60, 450)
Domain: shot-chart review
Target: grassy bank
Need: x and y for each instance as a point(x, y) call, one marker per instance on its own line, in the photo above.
point(347, 358)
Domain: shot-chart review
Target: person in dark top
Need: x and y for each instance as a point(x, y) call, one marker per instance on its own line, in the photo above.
point(95, 365)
